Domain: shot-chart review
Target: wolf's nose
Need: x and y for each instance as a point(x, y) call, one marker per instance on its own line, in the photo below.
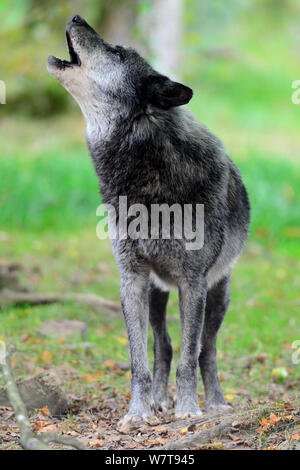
point(78, 19)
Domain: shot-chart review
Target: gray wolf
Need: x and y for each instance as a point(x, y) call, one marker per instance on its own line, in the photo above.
point(146, 145)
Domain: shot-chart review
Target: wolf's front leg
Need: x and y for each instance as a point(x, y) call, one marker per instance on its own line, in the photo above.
point(162, 347)
point(135, 304)
point(192, 304)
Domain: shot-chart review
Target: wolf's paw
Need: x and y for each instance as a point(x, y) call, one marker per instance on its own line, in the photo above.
point(188, 412)
point(132, 421)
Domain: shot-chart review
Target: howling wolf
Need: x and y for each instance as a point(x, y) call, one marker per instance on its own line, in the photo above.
point(146, 145)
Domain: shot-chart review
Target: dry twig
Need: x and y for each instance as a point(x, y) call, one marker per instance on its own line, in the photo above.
point(10, 297)
point(28, 439)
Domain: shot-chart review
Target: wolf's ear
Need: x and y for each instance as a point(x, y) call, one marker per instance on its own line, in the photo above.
point(164, 93)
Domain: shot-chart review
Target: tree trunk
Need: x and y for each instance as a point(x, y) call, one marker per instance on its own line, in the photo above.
point(165, 36)
point(155, 33)
point(119, 21)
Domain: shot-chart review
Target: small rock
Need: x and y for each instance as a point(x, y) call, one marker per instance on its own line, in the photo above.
point(39, 391)
point(60, 329)
point(9, 276)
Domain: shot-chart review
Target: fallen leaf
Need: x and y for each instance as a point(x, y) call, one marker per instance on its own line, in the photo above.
point(45, 410)
point(73, 433)
point(277, 403)
point(40, 424)
point(50, 428)
point(96, 443)
point(161, 430)
point(122, 340)
point(213, 446)
point(229, 397)
point(156, 441)
point(46, 356)
point(93, 378)
point(279, 373)
point(109, 363)
point(274, 419)
point(88, 377)
point(264, 425)
point(45, 426)
point(262, 357)
point(205, 426)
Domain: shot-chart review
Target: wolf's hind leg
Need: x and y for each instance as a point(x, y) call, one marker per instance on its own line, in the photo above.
point(217, 302)
point(192, 303)
point(162, 347)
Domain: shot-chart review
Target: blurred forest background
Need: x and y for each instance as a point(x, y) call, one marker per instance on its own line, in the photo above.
point(240, 57)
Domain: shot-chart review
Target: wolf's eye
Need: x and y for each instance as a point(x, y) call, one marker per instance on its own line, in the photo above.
point(118, 53)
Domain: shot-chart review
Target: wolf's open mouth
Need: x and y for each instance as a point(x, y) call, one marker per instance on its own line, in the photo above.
point(74, 57)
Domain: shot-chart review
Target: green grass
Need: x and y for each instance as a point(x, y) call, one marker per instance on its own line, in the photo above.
point(48, 192)
point(273, 185)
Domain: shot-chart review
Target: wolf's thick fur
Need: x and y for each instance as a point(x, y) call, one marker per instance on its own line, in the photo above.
point(146, 146)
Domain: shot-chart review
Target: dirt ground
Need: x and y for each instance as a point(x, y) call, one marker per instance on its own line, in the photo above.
point(93, 420)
